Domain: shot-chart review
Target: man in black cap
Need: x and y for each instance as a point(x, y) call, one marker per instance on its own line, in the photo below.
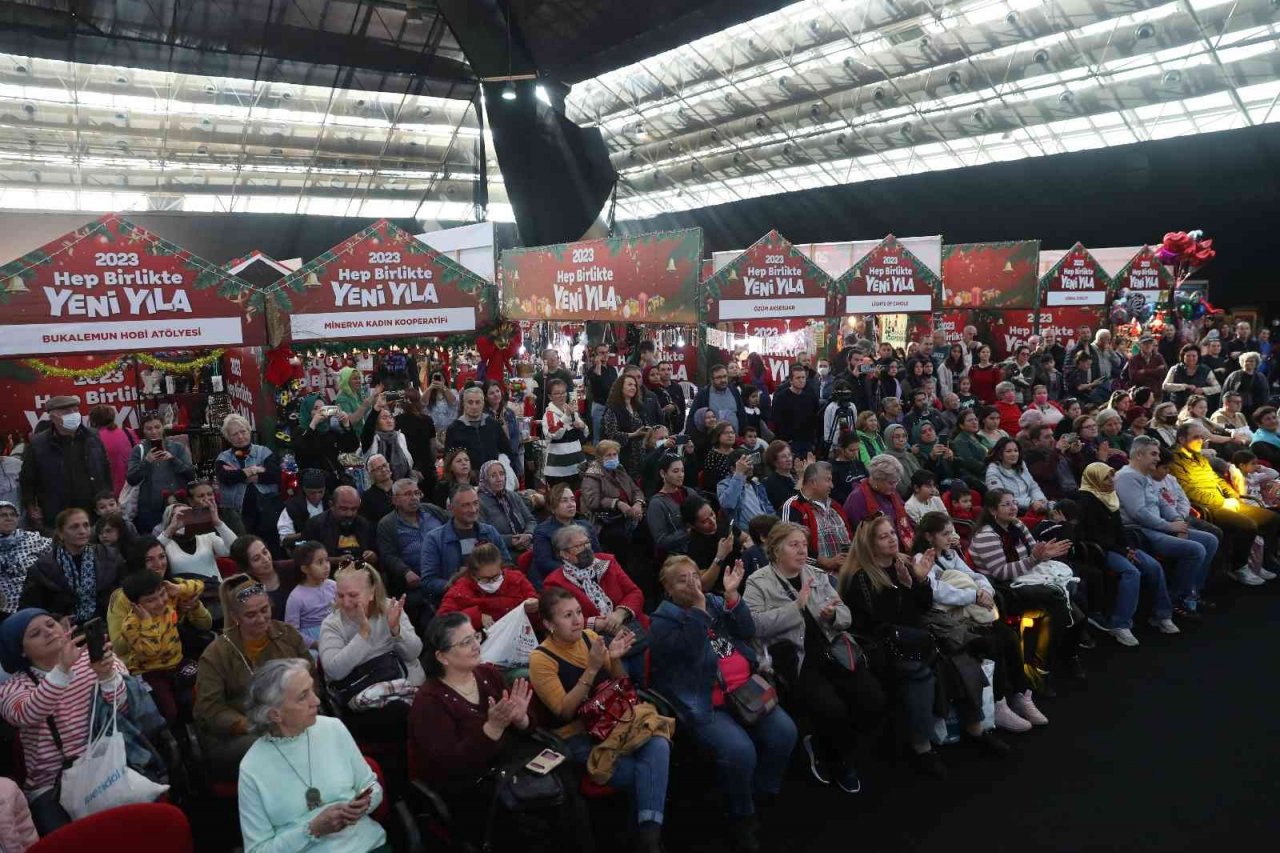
point(65, 465)
point(1146, 368)
point(302, 507)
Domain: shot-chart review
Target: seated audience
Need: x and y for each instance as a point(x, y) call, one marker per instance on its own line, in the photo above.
point(924, 496)
point(742, 495)
point(400, 548)
point(505, 509)
point(193, 619)
point(73, 578)
point(375, 501)
point(612, 498)
point(486, 591)
point(193, 550)
point(701, 653)
point(19, 550)
point(564, 512)
point(280, 810)
point(309, 501)
point(54, 686)
point(824, 521)
point(342, 530)
point(251, 556)
point(312, 600)
point(898, 446)
point(566, 669)
point(846, 466)
point(457, 470)
point(879, 494)
point(1266, 437)
point(798, 616)
point(155, 646)
point(1005, 470)
point(250, 639)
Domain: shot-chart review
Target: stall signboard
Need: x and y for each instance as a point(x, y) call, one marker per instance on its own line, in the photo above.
point(770, 279)
point(242, 379)
point(1144, 276)
point(990, 275)
point(890, 279)
point(1076, 279)
point(383, 283)
point(24, 389)
point(650, 278)
point(112, 286)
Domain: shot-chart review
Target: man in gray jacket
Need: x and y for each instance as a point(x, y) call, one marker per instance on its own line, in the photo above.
point(1166, 534)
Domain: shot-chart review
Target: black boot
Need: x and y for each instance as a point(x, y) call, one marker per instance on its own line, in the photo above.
point(649, 837)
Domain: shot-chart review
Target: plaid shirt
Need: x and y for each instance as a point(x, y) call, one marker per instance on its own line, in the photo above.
point(826, 525)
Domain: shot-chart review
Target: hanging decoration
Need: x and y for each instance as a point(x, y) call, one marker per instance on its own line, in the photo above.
point(46, 369)
point(1186, 252)
point(180, 366)
point(499, 348)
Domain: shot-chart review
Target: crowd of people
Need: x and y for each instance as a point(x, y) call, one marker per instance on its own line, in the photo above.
point(791, 569)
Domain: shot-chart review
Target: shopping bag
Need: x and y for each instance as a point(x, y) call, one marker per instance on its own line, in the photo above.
point(128, 501)
point(100, 778)
point(947, 729)
point(509, 641)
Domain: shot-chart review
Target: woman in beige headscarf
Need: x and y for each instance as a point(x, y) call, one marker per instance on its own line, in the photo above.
point(1100, 524)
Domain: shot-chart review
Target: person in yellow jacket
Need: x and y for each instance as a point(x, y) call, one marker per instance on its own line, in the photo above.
point(1221, 505)
point(151, 630)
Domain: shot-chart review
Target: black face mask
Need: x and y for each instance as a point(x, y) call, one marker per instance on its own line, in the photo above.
point(584, 559)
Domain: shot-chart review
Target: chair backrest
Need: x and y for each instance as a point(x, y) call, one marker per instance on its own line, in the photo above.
point(227, 567)
point(384, 807)
point(525, 561)
point(119, 830)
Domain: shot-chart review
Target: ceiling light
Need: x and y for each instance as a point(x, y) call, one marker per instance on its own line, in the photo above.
point(202, 150)
point(509, 91)
point(1145, 31)
point(122, 80)
point(21, 68)
point(1172, 78)
point(1042, 57)
point(1066, 98)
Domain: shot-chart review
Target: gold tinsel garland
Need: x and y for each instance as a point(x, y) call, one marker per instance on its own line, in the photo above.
point(106, 367)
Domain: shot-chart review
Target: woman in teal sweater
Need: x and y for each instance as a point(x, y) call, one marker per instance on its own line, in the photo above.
point(304, 785)
point(970, 460)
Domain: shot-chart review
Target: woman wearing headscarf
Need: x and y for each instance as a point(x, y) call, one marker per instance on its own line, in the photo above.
point(506, 510)
point(381, 437)
point(933, 454)
point(897, 446)
point(321, 438)
point(1100, 523)
point(348, 398)
point(19, 550)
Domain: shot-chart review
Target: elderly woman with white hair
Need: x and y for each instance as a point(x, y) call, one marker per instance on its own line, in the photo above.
point(250, 478)
point(878, 493)
point(289, 800)
point(1249, 382)
point(375, 501)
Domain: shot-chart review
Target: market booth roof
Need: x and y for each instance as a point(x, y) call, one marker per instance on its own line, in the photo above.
point(1075, 279)
point(383, 283)
point(112, 286)
point(770, 279)
point(889, 279)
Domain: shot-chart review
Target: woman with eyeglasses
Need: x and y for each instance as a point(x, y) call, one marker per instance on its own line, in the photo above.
point(464, 725)
point(564, 512)
point(225, 672)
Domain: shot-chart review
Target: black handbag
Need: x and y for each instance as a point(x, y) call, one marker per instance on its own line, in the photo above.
point(384, 667)
point(752, 701)
point(905, 643)
point(845, 652)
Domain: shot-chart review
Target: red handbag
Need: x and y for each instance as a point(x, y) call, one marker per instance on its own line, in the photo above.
point(611, 703)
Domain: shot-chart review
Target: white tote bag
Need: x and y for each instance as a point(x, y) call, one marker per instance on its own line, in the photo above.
point(509, 641)
point(101, 778)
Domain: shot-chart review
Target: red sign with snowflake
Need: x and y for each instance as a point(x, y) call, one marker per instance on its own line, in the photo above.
point(769, 279)
point(991, 275)
point(889, 280)
point(383, 283)
point(652, 278)
point(112, 286)
point(1077, 279)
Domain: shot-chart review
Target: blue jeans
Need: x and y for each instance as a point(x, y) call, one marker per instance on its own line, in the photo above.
point(643, 773)
point(597, 415)
point(1146, 572)
point(1192, 558)
point(749, 761)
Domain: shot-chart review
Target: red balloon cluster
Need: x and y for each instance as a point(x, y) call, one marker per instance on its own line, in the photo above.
point(1186, 247)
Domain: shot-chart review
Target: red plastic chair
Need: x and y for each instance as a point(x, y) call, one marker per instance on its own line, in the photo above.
point(227, 567)
point(384, 807)
point(524, 562)
point(164, 828)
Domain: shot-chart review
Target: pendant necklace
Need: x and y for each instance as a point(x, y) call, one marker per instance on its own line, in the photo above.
point(313, 793)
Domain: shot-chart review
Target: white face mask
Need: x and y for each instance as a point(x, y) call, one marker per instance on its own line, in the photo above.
point(823, 370)
point(71, 421)
point(492, 585)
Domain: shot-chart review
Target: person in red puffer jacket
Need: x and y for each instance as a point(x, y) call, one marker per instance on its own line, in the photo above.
point(486, 592)
point(1008, 407)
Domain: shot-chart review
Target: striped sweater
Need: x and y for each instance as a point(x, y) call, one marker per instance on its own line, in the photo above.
point(27, 704)
point(987, 552)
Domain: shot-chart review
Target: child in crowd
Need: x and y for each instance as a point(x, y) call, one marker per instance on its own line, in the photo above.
point(312, 599)
point(106, 503)
point(961, 499)
point(758, 529)
point(151, 630)
point(924, 496)
point(1254, 480)
point(846, 466)
point(750, 439)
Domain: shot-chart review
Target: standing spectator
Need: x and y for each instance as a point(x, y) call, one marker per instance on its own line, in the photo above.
point(496, 406)
point(1243, 342)
point(250, 478)
point(441, 406)
point(551, 369)
point(665, 405)
point(984, 375)
point(951, 368)
point(564, 431)
point(796, 413)
point(63, 466)
point(1189, 376)
point(380, 437)
point(118, 441)
point(477, 432)
point(720, 398)
point(1049, 346)
point(74, 578)
point(624, 422)
point(321, 438)
point(1249, 382)
point(19, 550)
point(1146, 368)
point(600, 376)
point(158, 467)
point(420, 435)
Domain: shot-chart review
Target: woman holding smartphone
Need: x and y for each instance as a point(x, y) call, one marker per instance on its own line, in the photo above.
point(157, 467)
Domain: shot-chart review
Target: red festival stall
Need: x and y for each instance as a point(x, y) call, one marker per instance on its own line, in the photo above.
point(120, 316)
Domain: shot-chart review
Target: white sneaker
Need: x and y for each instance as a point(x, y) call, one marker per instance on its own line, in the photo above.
point(1265, 574)
point(1246, 577)
point(1124, 636)
point(1008, 720)
point(1165, 626)
point(1024, 707)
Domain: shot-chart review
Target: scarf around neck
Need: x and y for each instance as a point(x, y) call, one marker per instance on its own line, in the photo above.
point(588, 580)
point(901, 522)
point(82, 578)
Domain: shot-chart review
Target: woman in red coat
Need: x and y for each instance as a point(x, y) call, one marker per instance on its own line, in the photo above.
point(486, 592)
point(609, 598)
